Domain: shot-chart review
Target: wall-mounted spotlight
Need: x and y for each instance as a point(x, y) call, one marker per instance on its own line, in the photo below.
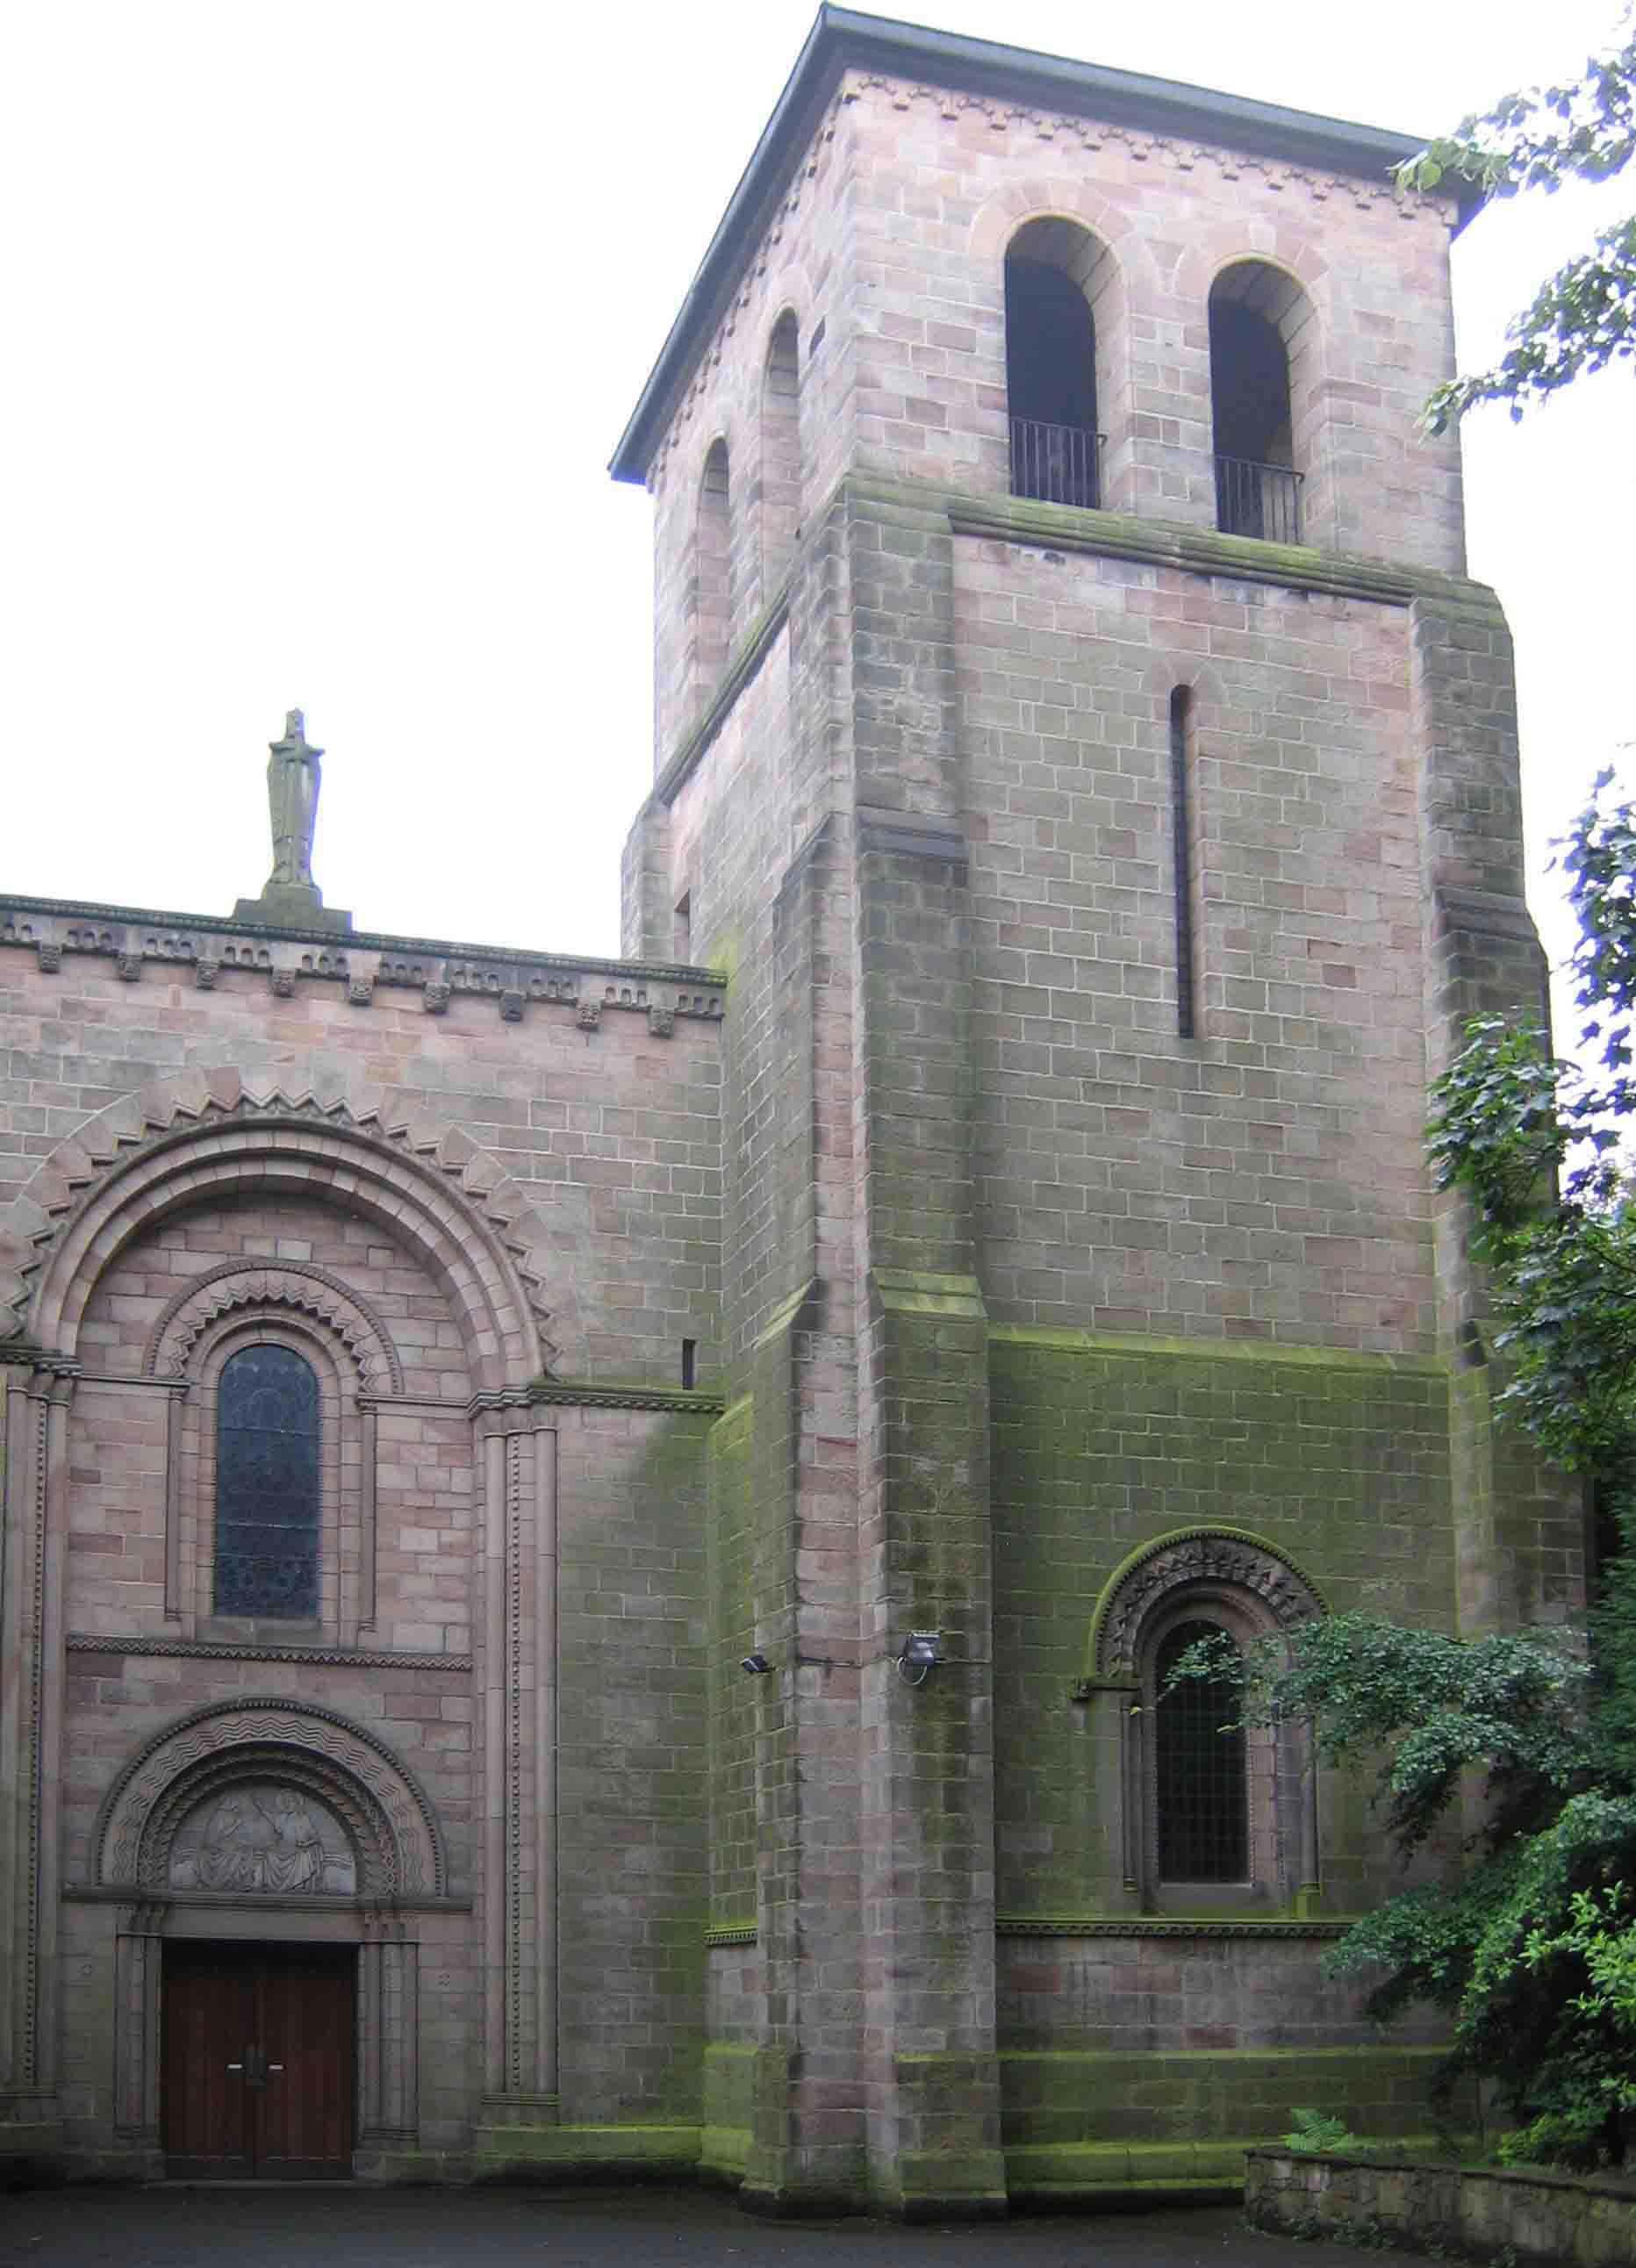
point(755, 1665)
point(920, 1651)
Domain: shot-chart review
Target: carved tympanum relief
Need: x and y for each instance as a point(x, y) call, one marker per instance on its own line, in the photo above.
point(272, 1745)
point(261, 1838)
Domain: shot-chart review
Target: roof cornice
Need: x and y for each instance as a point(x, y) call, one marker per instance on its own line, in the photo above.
point(841, 40)
point(174, 936)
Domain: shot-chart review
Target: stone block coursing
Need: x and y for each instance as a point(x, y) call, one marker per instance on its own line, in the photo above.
point(1473, 2213)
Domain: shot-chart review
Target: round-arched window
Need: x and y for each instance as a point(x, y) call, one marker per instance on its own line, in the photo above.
point(266, 1484)
point(1202, 1793)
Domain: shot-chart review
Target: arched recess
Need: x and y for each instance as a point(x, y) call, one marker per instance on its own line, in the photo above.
point(395, 1831)
point(312, 1308)
point(1060, 280)
point(204, 1141)
point(779, 487)
point(1189, 1583)
point(711, 608)
point(466, 1225)
point(1125, 278)
point(1262, 388)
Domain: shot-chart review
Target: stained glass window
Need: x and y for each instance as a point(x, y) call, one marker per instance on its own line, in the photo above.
point(266, 1484)
point(1203, 1786)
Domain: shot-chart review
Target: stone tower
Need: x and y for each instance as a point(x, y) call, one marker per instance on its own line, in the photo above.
point(1081, 750)
point(617, 1588)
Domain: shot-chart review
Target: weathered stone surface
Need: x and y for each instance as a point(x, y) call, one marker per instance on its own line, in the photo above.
point(1478, 2212)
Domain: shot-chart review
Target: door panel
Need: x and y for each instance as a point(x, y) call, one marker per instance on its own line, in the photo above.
point(208, 2015)
point(258, 2061)
point(302, 2118)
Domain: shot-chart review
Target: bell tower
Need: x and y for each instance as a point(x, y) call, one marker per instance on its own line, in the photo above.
point(1080, 747)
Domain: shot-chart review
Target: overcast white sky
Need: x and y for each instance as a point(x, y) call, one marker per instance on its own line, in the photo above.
point(321, 321)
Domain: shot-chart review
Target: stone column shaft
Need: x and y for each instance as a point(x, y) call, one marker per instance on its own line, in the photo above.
point(519, 1702)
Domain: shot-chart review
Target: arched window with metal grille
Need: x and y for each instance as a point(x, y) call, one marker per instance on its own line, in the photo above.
point(1262, 348)
point(1200, 1768)
point(1216, 1817)
point(1055, 274)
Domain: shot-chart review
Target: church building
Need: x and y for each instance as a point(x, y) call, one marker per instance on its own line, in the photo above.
point(591, 1547)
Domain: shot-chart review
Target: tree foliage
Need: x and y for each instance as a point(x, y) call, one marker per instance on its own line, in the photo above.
point(1527, 1944)
point(1509, 1121)
point(1536, 1983)
point(1584, 316)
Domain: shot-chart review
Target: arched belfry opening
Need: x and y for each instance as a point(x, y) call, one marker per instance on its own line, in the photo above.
point(1258, 321)
point(1054, 272)
point(780, 454)
point(712, 581)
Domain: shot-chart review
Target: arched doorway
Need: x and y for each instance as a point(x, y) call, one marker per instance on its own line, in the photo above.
point(279, 1862)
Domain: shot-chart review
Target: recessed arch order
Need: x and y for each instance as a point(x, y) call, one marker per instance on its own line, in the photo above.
point(466, 1240)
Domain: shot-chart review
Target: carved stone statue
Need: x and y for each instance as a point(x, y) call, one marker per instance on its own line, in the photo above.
point(225, 1862)
point(296, 1861)
point(292, 898)
point(294, 775)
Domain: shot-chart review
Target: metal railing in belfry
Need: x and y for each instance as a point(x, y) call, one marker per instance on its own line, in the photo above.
point(1255, 499)
point(1058, 464)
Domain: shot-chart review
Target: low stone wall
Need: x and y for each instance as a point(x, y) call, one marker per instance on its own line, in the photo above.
point(1559, 2221)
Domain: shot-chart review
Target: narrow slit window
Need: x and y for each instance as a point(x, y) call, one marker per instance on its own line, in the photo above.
point(266, 1484)
point(1182, 826)
point(1202, 1796)
point(689, 1363)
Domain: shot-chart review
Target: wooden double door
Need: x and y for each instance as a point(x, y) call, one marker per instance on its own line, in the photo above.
point(259, 2060)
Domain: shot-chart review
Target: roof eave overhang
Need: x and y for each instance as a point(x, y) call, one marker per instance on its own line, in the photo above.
point(842, 40)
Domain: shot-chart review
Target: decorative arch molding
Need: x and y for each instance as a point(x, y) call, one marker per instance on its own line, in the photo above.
point(1208, 256)
point(393, 1828)
point(723, 435)
point(786, 291)
point(1288, 294)
point(294, 1284)
point(1220, 1559)
point(1055, 197)
point(368, 1830)
point(187, 1140)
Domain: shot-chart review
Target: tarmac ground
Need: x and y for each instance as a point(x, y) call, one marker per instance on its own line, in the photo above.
point(270, 2226)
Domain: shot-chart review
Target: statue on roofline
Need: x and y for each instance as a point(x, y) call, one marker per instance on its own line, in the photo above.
point(291, 898)
point(294, 775)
